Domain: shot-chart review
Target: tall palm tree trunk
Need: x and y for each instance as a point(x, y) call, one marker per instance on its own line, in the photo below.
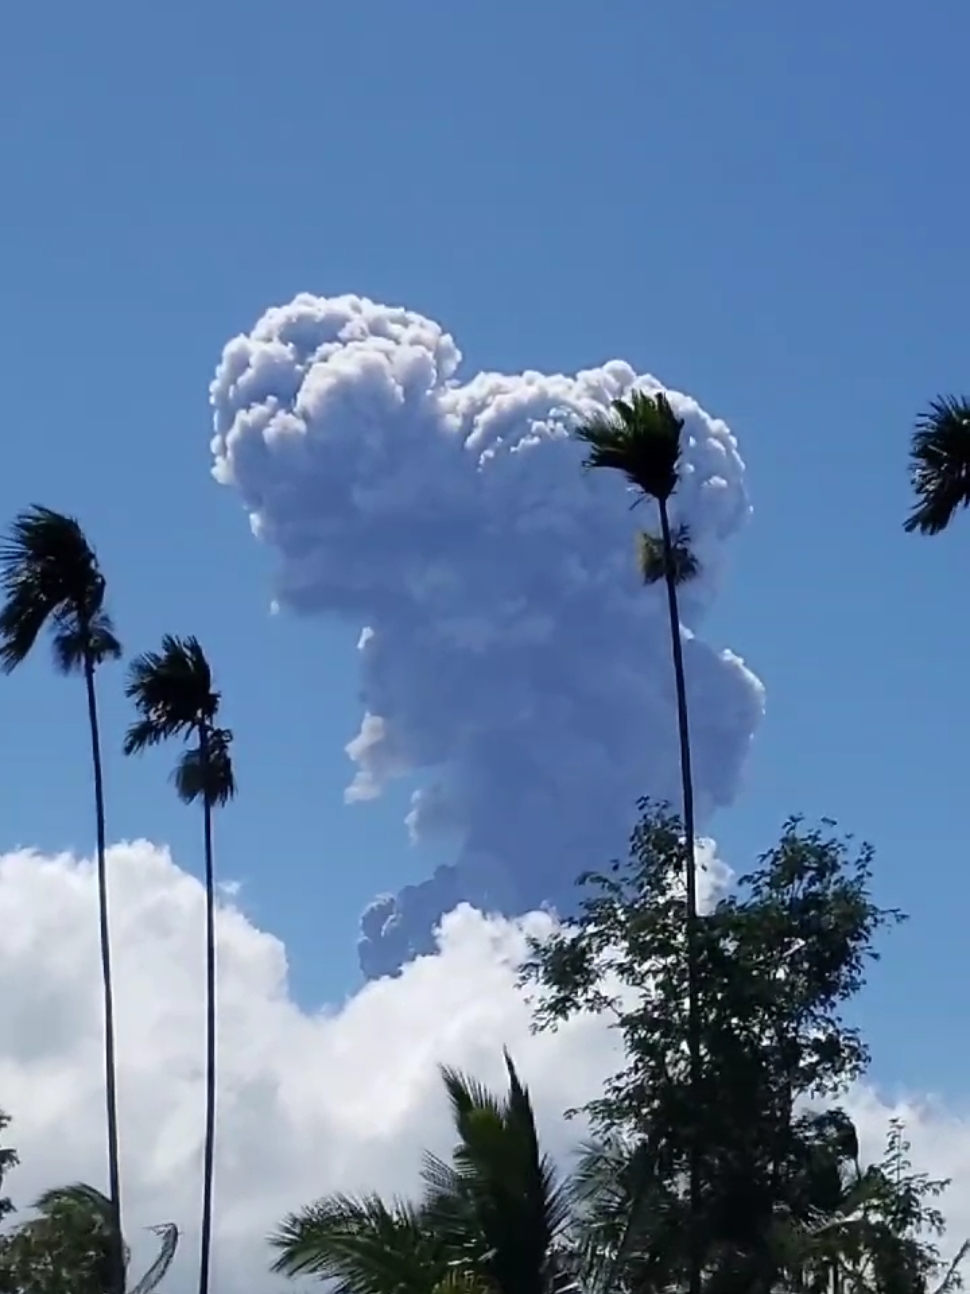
point(690, 868)
point(208, 1161)
point(110, 1069)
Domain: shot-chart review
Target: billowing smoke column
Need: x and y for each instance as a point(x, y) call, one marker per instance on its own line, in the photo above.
point(508, 650)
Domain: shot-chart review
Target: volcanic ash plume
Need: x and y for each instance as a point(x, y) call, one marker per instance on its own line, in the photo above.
point(508, 651)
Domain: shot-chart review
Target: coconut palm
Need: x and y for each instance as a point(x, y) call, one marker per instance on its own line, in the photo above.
point(51, 578)
point(174, 696)
point(640, 439)
point(629, 1223)
point(939, 464)
point(66, 1248)
point(493, 1218)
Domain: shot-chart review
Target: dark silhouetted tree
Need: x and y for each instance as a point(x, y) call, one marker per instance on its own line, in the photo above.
point(640, 439)
point(174, 696)
point(51, 578)
point(939, 464)
point(782, 1198)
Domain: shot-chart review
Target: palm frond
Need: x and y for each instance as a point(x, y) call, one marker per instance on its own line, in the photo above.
point(173, 686)
point(652, 559)
point(172, 691)
point(143, 734)
point(49, 573)
point(153, 1277)
point(952, 1277)
point(207, 774)
point(468, 1096)
point(363, 1245)
point(939, 465)
point(629, 1228)
point(488, 1222)
point(440, 1178)
point(21, 620)
point(640, 438)
point(498, 1203)
point(74, 643)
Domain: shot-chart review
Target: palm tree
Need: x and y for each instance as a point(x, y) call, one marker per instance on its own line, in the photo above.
point(939, 464)
point(493, 1218)
point(174, 695)
point(67, 1249)
point(50, 577)
point(640, 439)
point(628, 1220)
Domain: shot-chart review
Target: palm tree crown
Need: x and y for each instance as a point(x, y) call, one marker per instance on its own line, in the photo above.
point(654, 561)
point(194, 770)
point(641, 439)
point(172, 691)
point(174, 695)
point(50, 576)
point(490, 1219)
point(939, 465)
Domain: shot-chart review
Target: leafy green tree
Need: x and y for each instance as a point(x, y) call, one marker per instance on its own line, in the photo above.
point(493, 1218)
point(640, 439)
point(780, 956)
point(51, 577)
point(67, 1247)
point(939, 463)
point(174, 696)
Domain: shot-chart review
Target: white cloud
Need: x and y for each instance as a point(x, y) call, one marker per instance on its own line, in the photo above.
point(310, 1102)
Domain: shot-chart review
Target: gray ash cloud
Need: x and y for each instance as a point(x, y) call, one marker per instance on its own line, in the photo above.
point(508, 651)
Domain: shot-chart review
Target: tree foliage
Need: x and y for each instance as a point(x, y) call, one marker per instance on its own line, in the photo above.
point(492, 1217)
point(65, 1248)
point(939, 465)
point(640, 439)
point(780, 956)
point(50, 577)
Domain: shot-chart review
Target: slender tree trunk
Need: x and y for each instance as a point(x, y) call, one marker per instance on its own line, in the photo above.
point(208, 1161)
point(117, 1274)
point(690, 867)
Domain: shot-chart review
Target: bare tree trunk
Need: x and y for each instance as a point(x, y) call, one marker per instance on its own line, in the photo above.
point(690, 866)
point(117, 1269)
point(210, 1021)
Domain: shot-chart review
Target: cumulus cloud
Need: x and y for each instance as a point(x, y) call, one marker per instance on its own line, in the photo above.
point(508, 653)
point(345, 1097)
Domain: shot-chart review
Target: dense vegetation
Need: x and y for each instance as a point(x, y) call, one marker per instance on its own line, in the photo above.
point(720, 1158)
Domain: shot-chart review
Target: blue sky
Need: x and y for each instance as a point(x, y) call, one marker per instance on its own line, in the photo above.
point(760, 204)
